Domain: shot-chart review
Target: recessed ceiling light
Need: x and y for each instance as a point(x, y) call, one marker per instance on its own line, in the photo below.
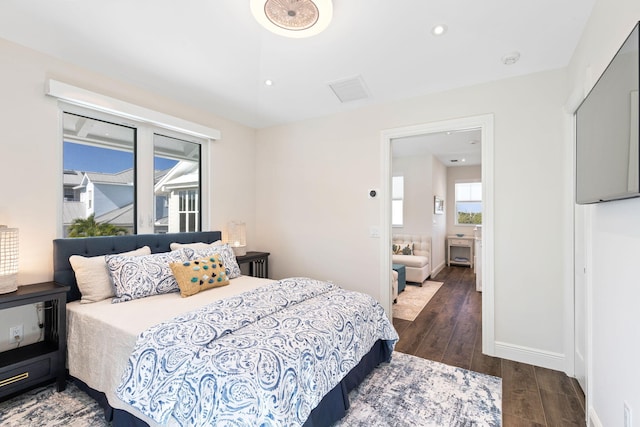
point(439, 30)
point(464, 160)
point(268, 82)
point(511, 58)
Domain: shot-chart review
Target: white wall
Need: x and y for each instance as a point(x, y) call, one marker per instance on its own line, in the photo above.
point(31, 161)
point(613, 343)
point(418, 193)
point(25, 316)
point(439, 228)
point(312, 182)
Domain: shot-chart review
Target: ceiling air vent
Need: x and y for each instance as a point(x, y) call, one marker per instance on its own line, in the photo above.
point(351, 89)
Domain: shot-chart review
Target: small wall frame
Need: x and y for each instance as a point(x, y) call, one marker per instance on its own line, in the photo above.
point(438, 205)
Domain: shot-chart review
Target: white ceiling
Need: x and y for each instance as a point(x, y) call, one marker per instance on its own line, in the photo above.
point(212, 54)
point(455, 148)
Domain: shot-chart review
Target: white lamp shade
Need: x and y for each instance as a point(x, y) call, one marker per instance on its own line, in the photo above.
point(237, 237)
point(8, 259)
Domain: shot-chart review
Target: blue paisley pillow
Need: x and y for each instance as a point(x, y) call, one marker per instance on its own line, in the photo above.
point(143, 276)
point(226, 254)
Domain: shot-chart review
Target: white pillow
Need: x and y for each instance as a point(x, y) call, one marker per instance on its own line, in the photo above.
point(203, 250)
point(199, 245)
point(143, 276)
point(93, 277)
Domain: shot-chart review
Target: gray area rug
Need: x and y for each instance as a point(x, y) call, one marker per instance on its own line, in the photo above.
point(409, 391)
point(45, 407)
point(413, 299)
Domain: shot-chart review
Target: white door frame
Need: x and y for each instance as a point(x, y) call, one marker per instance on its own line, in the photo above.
point(578, 305)
point(485, 123)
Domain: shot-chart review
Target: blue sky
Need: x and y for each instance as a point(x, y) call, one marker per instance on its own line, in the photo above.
point(95, 159)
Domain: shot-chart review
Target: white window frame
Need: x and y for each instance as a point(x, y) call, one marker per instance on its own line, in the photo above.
point(147, 122)
point(455, 201)
point(186, 211)
point(398, 199)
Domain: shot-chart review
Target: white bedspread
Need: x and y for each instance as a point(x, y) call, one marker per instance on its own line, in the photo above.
point(264, 358)
point(101, 335)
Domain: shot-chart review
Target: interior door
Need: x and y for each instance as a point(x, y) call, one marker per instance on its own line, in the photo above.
point(580, 295)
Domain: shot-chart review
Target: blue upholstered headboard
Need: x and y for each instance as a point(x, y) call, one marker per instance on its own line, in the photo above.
point(94, 246)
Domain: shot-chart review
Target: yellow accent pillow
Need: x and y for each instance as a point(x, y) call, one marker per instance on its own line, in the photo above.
point(200, 274)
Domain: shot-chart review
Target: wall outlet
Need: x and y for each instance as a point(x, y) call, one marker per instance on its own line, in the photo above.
point(16, 333)
point(627, 415)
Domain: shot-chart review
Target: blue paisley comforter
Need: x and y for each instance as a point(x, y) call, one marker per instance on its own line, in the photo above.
point(262, 358)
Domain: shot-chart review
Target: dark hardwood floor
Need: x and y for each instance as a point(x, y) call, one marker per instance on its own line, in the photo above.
point(449, 330)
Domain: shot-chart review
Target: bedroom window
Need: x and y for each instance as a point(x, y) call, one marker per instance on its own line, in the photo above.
point(468, 203)
point(99, 171)
point(177, 185)
point(397, 201)
point(128, 178)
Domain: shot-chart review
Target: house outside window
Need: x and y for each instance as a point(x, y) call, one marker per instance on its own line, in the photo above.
point(397, 201)
point(111, 168)
point(188, 210)
point(468, 203)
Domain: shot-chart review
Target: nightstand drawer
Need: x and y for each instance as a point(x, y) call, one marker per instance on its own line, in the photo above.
point(460, 242)
point(16, 378)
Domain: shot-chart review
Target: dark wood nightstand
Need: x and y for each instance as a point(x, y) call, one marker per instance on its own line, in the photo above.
point(258, 263)
point(33, 364)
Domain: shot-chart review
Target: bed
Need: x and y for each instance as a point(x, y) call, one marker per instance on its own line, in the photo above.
point(107, 353)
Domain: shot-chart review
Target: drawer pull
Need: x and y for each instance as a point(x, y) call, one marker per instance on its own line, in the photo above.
point(14, 379)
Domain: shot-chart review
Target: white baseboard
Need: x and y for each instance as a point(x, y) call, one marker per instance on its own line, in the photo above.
point(437, 269)
point(593, 420)
point(532, 356)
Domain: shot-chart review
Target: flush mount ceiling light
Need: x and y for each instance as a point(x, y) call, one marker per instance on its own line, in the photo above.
point(293, 18)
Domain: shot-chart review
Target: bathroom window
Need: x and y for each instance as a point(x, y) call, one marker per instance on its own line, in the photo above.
point(397, 201)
